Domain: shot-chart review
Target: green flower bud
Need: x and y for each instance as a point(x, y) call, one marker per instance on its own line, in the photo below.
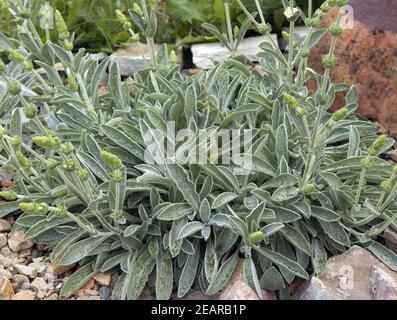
point(127, 26)
point(330, 124)
point(336, 30)
point(332, 3)
point(340, 114)
point(134, 38)
point(117, 175)
point(111, 160)
point(69, 165)
point(372, 151)
point(67, 148)
point(3, 132)
point(42, 141)
point(325, 7)
point(34, 207)
point(366, 163)
point(309, 188)
point(25, 14)
point(26, 207)
point(28, 65)
point(300, 111)
point(61, 26)
point(290, 100)
point(62, 210)
point(285, 35)
point(121, 17)
point(30, 111)
point(14, 88)
point(304, 52)
point(68, 45)
point(136, 7)
point(15, 55)
point(379, 143)
point(173, 58)
point(264, 28)
point(341, 3)
point(2, 66)
point(51, 164)
point(19, 21)
point(22, 160)
point(386, 186)
point(255, 238)
point(16, 141)
point(74, 86)
point(83, 175)
point(236, 32)
point(312, 22)
point(329, 61)
point(8, 195)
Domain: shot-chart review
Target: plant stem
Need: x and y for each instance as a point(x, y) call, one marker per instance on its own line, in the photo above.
point(360, 186)
point(310, 9)
point(291, 43)
point(262, 17)
point(229, 26)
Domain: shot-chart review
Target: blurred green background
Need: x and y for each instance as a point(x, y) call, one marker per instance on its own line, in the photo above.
point(97, 29)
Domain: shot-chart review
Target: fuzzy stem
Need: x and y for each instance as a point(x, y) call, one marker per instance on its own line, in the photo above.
point(229, 27)
point(360, 186)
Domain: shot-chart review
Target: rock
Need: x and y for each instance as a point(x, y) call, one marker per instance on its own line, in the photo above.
point(26, 286)
point(350, 276)
point(26, 270)
point(238, 289)
point(5, 261)
point(102, 279)
point(196, 294)
point(204, 54)
point(6, 289)
point(91, 292)
point(40, 267)
point(6, 174)
point(130, 59)
point(366, 57)
point(104, 292)
point(393, 155)
point(4, 225)
point(20, 278)
point(383, 286)
point(58, 269)
point(24, 295)
point(53, 296)
point(88, 285)
point(113, 280)
point(3, 240)
point(39, 284)
point(4, 273)
point(391, 239)
point(17, 242)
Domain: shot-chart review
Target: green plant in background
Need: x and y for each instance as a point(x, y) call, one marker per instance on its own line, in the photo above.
point(180, 21)
point(91, 184)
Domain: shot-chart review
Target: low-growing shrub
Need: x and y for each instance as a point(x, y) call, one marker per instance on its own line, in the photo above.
point(96, 184)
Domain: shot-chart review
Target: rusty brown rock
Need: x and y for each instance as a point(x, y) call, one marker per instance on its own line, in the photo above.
point(24, 295)
point(17, 241)
point(366, 56)
point(6, 289)
point(58, 269)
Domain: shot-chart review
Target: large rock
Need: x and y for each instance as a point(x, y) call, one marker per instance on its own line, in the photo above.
point(391, 239)
point(6, 289)
point(205, 54)
point(366, 57)
point(3, 240)
point(354, 275)
point(238, 289)
point(4, 225)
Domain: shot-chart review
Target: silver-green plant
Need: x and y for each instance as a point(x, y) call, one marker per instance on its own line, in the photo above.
point(316, 185)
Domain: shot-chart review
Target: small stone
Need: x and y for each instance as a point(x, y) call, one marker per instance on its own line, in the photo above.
point(4, 225)
point(6, 251)
point(88, 285)
point(24, 295)
point(39, 284)
point(393, 155)
point(104, 292)
point(53, 296)
point(391, 239)
point(37, 260)
point(40, 295)
point(103, 279)
point(26, 286)
point(3, 240)
point(39, 267)
point(6, 262)
point(17, 242)
point(5, 273)
point(6, 289)
point(19, 278)
point(92, 292)
point(58, 269)
point(26, 270)
point(113, 280)
point(24, 254)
